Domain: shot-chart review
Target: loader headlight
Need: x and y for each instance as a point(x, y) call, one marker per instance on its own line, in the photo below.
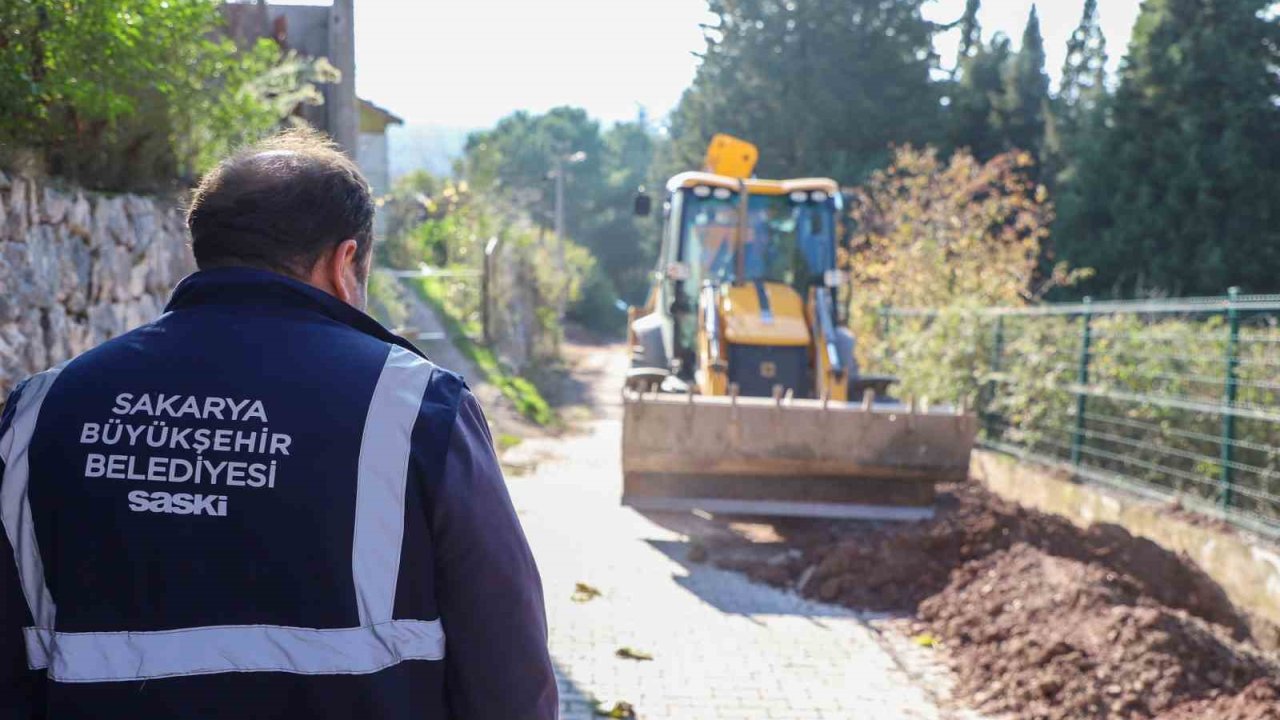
point(834, 278)
point(701, 191)
point(818, 196)
point(721, 193)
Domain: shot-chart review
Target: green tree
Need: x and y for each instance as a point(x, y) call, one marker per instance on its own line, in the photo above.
point(623, 246)
point(1000, 101)
point(976, 99)
point(822, 86)
point(1182, 192)
point(970, 34)
point(1080, 123)
point(514, 160)
point(1084, 70)
point(1022, 112)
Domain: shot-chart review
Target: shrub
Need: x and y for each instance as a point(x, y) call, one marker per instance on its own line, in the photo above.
point(596, 307)
point(1152, 380)
point(132, 94)
point(951, 236)
point(385, 302)
point(522, 394)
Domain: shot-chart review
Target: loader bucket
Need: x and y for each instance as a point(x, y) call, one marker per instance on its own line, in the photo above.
point(763, 456)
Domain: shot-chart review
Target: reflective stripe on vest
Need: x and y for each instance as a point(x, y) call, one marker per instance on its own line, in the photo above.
point(376, 643)
point(384, 467)
point(115, 656)
point(15, 508)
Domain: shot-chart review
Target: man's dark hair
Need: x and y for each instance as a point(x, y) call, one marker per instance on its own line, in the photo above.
point(279, 205)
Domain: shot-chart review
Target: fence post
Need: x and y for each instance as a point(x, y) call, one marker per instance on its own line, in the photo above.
point(1082, 379)
point(485, 288)
point(997, 349)
point(1227, 480)
point(884, 324)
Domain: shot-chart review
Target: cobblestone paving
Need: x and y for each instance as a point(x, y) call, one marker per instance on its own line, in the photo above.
point(722, 646)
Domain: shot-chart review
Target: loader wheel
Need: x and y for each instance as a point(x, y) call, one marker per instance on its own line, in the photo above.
point(879, 384)
point(643, 379)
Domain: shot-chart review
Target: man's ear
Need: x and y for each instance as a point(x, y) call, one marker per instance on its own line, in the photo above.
point(339, 272)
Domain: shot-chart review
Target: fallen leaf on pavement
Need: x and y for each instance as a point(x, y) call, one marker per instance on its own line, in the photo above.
point(583, 592)
point(627, 653)
point(620, 709)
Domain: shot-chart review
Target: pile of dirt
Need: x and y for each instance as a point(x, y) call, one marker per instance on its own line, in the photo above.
point(895, 566)
point(1259, 701)
point(1042, 619)
point(1054, 638)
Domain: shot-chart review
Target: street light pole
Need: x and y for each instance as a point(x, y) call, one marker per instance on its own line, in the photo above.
point(572, 159)
point(562, 264)
point(559, 212)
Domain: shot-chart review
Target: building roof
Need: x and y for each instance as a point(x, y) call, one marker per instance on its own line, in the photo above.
point(374, 118)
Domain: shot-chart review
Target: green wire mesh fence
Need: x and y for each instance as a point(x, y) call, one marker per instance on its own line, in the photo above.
point(1170, 398)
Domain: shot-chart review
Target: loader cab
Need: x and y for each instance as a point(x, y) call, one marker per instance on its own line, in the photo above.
point(788, 233)
point(787, 238)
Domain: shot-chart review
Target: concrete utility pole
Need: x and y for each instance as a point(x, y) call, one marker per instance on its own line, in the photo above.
point(559, 212)
point(344, 114)
point(562, 264)
point(573, 159)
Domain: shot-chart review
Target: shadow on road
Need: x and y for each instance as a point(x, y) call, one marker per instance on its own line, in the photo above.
point(589, 385)
point(576, 703)
point(733, 593)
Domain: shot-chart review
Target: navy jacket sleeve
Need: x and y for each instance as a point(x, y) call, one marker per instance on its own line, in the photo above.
point(497, 666)
point(19, 685)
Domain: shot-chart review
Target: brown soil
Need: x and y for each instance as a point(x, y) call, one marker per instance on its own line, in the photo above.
point(1259, 701)
point(1042, 620)
point(1050, 637)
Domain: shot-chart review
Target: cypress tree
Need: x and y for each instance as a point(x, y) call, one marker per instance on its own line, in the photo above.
point(1084, 69)
point(821, 86)
point(970, 34)
point(1181, 193)
point(1022, 111)
point(1081, 96)
point(977, 98)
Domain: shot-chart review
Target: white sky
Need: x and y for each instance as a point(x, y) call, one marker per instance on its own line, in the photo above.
point(466, 63)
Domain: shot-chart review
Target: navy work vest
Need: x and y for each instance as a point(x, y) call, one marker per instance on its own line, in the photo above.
point(263, 504)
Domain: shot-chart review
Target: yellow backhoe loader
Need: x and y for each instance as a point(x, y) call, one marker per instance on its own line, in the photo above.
point(744, 395)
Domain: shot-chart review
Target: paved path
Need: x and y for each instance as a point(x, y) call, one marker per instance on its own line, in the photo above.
point(425, 329)
point(723, 647)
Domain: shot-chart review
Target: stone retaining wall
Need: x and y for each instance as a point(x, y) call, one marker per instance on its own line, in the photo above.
point(77, 268)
